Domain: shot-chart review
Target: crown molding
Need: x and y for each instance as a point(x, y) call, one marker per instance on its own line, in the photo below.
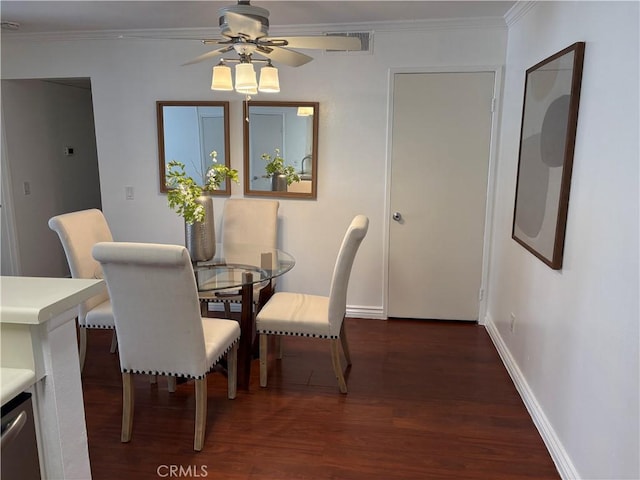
point(518, 11)
point(275, 31)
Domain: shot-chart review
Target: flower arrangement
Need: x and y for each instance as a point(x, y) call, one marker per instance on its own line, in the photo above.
point(275, 166)
point(184, 191)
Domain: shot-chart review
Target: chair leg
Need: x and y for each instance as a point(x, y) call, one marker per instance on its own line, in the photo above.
point(201, 413)
point(82, 347)
point(264, 339)
point(232, 372)
point(337, 368)
point(345, 343)
point(227, 309)
point(114, 342)
point(127, 406)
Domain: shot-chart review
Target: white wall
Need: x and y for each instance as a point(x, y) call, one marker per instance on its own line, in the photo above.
point(574, 349)
point(41, 118)
point(129, 76)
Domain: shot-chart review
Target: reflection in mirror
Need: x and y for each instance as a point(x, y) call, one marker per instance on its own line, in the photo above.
point(188, 132)
point(286, 131)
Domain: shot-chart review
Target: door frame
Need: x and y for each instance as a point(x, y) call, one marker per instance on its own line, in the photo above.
point(8, 220)
point(497, 70)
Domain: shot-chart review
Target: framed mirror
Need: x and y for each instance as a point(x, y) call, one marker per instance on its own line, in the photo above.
point(281, 137)
point(189, 132)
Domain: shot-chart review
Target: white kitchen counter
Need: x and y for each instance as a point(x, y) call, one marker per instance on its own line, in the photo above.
point(35, 300)
point(15, 381)
point(40, 354)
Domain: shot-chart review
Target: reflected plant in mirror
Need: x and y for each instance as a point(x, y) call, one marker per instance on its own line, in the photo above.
point(291, 170)
point(187, 133)
point(281, 175)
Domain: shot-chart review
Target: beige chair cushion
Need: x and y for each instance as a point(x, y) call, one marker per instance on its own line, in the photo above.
point(295, 314)
point(157, 314)
point(79, 232)
point(100, 316)
point(247, 221)
point(299, 314)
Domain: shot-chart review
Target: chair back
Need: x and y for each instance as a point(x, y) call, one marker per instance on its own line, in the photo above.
point(342, 271)
point(250, 221)
point(155, 304)
point(78, 233)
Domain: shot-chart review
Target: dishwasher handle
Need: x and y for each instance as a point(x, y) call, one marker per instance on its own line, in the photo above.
point(13, 429)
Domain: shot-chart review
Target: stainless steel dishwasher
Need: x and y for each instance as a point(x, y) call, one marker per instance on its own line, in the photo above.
point(18, 446)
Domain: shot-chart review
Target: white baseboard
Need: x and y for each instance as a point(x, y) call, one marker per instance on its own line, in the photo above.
point(558, 454)
point(359, 311)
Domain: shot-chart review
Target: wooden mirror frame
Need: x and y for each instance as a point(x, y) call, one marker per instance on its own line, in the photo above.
point(160, 105)
point(247, 106)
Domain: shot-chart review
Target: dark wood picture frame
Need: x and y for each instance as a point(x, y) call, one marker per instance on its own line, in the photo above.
point(286, 112)
point(547, 141)
point(224, 154)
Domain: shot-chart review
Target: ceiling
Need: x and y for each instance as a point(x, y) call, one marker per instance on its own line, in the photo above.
point(82, 16)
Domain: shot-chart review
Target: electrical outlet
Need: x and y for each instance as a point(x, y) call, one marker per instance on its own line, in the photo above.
point(512, 321)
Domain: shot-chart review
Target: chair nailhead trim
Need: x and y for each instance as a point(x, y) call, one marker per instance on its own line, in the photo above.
point(297, 334)
point(173, 374)
point(102, 327)
point(221, 300)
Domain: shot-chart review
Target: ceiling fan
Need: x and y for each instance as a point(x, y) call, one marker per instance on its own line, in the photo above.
point(245, 29)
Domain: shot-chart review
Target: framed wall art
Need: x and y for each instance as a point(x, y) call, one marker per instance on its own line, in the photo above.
point(547, 140)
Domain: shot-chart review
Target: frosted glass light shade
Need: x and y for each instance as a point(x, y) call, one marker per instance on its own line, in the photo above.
point(269, 82)
point(246, 79)
point(221, 78)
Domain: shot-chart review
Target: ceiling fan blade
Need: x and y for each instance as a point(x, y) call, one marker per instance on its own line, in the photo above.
point(208, 55)
point(282, 55)
point(242, 25)
point(327, 42)
point(192, 38)
point(216, 41)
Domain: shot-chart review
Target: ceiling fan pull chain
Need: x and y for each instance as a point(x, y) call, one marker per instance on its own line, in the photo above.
point(247, 97)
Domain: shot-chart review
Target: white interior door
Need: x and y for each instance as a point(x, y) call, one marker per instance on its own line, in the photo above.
point(441, 137)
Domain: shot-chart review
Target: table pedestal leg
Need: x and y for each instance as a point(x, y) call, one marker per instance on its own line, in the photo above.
point(246, 329)
point(204, 308)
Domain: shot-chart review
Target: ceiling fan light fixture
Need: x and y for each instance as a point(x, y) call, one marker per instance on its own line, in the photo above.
point(246, 79)
point(221, 78)
point(269, 82)
point(248, 91)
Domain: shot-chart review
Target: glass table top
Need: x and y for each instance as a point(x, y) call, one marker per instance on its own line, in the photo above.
point(231, 264)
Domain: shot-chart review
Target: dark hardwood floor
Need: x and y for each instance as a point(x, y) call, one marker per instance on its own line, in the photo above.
point(427, 400)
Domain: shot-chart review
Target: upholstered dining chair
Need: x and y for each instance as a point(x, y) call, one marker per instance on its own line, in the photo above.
point(299, 314)
point(160, 330)
point(246, 221)
point(79, 232)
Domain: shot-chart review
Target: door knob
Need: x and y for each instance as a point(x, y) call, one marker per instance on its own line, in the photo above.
point(397, 216)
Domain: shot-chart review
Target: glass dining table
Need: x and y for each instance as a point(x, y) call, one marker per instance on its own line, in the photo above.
point(241, 271)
